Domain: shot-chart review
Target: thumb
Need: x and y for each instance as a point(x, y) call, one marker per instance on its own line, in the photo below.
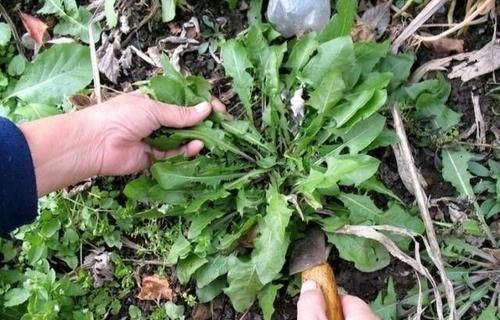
point(311, 305)
point(180, 117)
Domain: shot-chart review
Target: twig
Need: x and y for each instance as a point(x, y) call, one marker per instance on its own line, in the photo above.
point(424, 211)
point(488, 4)
point(95, 68)
point(7, 18)
point(156, 6)
point(419, 20)
point(404, 8)
point(478, 117)
point(150, 262)
point(451, 11)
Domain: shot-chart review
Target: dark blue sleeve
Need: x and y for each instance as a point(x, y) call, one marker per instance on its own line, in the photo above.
point(18, 196)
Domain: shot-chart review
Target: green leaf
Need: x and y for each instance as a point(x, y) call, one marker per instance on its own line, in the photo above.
point(60, 71)
point(302, 51)
point(367, 255)
point(180, 249)
point(344, 112)
point(361, 207)
point(373, 184)
point(173, 311)
point(328, 94)
point(173, 175)
point(78, 24)
point(337, 54)
point(187, 267)
point(266, 300)
point(236, 64)
point(215, 268)
point(399, 65)
point(272, 243)
point(385, 305)
point(232, 4)
point(342, 22)
point(17, 66)
point(363, 134)
point(368, 54)
point(15, 297)
point(201, 221)
point(167, 10)
point(244, 284)
point(455, 165)
point(5, 34)
point(110, 12)
point(211, 291)
point(491, 312)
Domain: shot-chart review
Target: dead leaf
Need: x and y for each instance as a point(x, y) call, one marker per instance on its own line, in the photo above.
point(175, 28)
point(100, 266)
point(201, 312)
point(36, 28)
point(446, 45)
point(493, 252)
point(155, 288)
point(108, 63)
point(373, 23)
point(81, 101)
point(478, 63)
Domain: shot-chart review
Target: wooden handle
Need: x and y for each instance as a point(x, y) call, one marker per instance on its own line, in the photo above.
point(323, 275)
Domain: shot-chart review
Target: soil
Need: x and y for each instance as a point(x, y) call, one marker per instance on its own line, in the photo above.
point(364, 285)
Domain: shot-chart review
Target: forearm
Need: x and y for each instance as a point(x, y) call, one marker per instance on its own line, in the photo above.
point(61, 149)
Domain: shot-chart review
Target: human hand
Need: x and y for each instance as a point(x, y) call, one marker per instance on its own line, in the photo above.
point(311, 305)
point(106, 139)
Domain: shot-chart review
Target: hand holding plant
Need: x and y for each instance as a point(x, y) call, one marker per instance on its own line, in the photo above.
point(106, 139)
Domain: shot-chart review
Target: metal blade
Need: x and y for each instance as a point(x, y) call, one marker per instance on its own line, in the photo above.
point(308, 252)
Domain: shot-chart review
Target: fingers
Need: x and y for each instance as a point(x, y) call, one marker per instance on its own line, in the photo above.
point(218, 105)
point(356, 309)
point(180, 117)
point(189, 150)
point(311, 305)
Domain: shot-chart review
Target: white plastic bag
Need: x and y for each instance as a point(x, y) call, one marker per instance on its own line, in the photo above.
point(296, 17)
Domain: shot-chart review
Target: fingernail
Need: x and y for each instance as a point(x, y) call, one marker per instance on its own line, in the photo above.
point(202, 107)
point(309, 285)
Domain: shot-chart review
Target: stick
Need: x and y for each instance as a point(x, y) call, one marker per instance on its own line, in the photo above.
point(7, 18)
point(95, 68)
point(419, 20)
point(424, 211)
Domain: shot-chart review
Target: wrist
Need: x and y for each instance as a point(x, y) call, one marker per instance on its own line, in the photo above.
point(62, 149)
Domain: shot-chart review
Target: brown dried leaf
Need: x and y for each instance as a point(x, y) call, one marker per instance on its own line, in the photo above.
point(478, 62)
point(201, 312)
point(81, 101)
point(155, 288)
point(373, 24)
point(36, 28)
point(446, 45)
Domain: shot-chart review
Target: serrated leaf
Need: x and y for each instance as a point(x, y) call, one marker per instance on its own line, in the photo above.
point(368, 54)
point(491, 312)
point(328, 93)
point(187, 267)
point(344, 112)
point(200, 221)
point(211, 291)
point(180, 249)
point(272, 243)
point(236, 64)
point(78, 25)
point(58, 72)
point(367, 255)
point(302, 51)
point(337, 54)
point(266, 300)
point(363, 134)
point(215, 268)
point(342, 22)
point(176, 175)
point(385, 304)
point(361, 208)
point(399, 65)
point(244, 284)
point(455, 170)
